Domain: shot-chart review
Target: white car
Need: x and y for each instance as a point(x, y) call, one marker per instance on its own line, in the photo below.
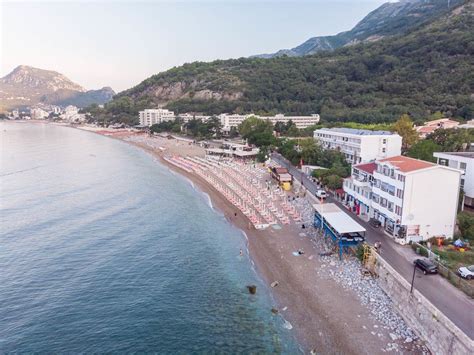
point(467, 272)
point(321, 194)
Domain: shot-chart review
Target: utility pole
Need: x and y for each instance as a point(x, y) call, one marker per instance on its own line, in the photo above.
point(413, 278)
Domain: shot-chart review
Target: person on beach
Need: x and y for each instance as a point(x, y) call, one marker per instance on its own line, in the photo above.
point(241, 252)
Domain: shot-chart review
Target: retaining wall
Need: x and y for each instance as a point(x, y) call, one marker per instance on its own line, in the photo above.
point(442, 336)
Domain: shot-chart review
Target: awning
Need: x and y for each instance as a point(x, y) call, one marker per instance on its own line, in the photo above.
point(339, 220)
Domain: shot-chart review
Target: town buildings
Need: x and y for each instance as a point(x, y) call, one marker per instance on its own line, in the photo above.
point(150, 117)
point(413, 199)
point(38, 113)
point(463, 161)
point(431, 126)
point(360, 145)
point(71, 114)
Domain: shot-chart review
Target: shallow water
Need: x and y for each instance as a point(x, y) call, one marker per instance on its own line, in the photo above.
point(104, 249)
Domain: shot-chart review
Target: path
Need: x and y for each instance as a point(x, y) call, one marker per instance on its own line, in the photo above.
point(455, 304)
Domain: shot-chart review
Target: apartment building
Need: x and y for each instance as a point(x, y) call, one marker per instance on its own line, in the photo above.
point(413, 199)
point(150, 117)
point(360, 145)
point(234, 120)
point(463, 161)
point(38, 113)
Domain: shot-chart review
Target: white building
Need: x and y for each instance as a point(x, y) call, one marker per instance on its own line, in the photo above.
point(463, 161)
point(360, 145)
point(150, 117)
point(234, 120)
point(413, 199)
point(38, 113)
point(71, 114)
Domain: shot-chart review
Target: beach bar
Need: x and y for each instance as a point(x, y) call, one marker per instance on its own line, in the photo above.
point(338, 225)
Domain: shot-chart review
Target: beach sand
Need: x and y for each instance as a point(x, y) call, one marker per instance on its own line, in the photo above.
point(325, 317)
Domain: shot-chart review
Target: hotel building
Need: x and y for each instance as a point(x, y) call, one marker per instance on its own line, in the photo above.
point(150, 117)
point(463, 161)
point(360, 145)
point(413, 199)
point(234, 120)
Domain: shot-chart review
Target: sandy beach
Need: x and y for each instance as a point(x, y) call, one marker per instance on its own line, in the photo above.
point(325, 316)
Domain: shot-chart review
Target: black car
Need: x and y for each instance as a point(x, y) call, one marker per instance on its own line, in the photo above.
point(427, 266)
point(375, 223)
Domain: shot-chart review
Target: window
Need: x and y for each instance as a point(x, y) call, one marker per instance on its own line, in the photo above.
point(444, 162)
point(383, 150)
point(384, 141)
point(401, 178)
point(462, 166)
point(398, 210)
point(399, 193)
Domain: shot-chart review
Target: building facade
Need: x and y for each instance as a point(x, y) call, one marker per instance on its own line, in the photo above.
point(150, 117)
point(413, 199)
point(360, 145)
point(463, 161)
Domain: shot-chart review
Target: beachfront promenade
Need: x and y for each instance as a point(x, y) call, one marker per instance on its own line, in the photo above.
point(456, 305)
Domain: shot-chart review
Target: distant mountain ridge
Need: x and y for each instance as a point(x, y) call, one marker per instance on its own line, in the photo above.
point(27, 86)
point(389, 19)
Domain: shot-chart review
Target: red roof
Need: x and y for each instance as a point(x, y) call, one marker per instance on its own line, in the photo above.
point(368, 167)
point(406, 164)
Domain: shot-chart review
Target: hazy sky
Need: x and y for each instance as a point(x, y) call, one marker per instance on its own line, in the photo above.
point(120, 43)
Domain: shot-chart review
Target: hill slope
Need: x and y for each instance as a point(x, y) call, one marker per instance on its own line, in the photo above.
point(429, 69)
point(387, 20)
point(27, 86)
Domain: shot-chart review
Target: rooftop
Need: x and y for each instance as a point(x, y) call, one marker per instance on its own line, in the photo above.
point(459, 154)
point(368, 167)
point(441, 121)
point(406, 164)
point(358, 132)
point(338, 219)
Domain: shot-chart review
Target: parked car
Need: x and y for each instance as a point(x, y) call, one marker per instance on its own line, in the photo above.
point(467, 272)
point(375, 223)
point(321, 194)
point(426, 265)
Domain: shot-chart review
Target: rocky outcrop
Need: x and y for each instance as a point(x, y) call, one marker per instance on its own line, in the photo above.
point(27, 86)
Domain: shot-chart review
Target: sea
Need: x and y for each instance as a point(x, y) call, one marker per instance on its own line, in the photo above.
point(104, 249)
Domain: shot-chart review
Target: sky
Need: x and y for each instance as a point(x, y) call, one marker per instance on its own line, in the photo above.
point(121, 43)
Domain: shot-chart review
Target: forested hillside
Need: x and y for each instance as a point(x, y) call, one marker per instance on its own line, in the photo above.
point(429, 69)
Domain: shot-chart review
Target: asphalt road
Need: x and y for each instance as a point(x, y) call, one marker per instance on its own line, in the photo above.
point(455, 304)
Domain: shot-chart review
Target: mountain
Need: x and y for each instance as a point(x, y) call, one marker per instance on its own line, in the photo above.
point(428, 69)
point(27, 86)
point(389, 19)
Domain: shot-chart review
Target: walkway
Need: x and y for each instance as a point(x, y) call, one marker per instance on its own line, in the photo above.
point(455, 304)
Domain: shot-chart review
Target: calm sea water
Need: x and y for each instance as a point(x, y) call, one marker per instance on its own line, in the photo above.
point(102, 249)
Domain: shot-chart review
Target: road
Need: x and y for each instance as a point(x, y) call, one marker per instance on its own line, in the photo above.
point(455, 304)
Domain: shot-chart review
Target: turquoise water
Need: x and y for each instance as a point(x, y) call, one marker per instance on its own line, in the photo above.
point(102, 249)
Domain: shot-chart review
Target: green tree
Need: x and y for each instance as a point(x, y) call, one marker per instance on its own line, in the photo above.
point(452, 140)
point(404, 127)
point(424, 150)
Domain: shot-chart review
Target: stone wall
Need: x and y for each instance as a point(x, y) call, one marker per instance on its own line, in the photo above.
point(442, 336)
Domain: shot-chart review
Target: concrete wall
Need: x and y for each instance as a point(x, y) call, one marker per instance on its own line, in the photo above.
point(441, 335)
point(431, 199)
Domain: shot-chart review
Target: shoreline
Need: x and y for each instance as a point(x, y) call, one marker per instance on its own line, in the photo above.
point(325, 316)
point(315, 322)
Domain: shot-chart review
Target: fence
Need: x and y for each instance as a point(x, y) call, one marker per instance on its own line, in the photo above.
point(464, 285)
